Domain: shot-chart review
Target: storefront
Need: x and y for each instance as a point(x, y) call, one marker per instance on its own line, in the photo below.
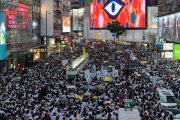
point(21, 58)
point(38, 54)
point(2, 65)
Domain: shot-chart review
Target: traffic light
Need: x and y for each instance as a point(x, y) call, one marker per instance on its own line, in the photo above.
point(23, 70)
point(42, 91)
point(64, 69)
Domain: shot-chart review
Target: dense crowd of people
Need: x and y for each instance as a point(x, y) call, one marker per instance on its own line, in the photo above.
point(21, 98)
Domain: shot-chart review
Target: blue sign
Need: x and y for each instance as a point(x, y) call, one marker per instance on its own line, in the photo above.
point(114, 34)
point(2, 35)
point(82, 3)
point(144, 37)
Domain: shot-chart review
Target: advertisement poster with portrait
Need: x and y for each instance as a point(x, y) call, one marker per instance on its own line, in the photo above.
point(66, 24)
point(130, 13)
point(169, 27)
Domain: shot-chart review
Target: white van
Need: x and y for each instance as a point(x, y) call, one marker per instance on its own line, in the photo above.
point(167, 97)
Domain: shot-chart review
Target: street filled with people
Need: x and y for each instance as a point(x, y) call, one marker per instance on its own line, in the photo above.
point(45, 92)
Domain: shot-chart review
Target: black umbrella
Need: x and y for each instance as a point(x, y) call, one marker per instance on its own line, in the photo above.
point(120, 95)
point(62, 99)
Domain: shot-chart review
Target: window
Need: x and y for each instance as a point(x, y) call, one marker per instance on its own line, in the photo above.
point(36, 9)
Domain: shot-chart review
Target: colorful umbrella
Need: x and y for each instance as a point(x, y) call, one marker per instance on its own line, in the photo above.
point(143, 62)
point(110, 66)
point(106, 67)
point(95, 97)
point(108, 79)
point(73, 57)
point(87, 94)
point(119, 51)
point(91, 87)
point(46, 63)
point(78, 97)
point(107, 102)
point(138, 75)
point(105, 61)
point(70, 86)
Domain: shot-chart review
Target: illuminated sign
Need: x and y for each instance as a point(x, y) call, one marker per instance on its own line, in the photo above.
point(176, 51)
point(2, 35)
point(168, 54)
point(130, 13)
point(168, 46)
point(18, 17)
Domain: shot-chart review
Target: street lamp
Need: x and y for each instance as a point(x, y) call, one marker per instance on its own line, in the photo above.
point(45, 53)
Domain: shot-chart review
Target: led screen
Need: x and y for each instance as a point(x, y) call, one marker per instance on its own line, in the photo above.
point(2, 35)
point(66, 24)
point(176, 51)
point(169, 27)
point(130, 13)
point(19, 17)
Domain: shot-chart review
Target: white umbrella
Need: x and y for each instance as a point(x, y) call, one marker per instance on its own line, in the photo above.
point(71, 86)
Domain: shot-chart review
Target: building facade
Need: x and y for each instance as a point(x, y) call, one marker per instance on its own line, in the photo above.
point(169, 21)
point(77, 18)
point(130, 35)
point(52, 13)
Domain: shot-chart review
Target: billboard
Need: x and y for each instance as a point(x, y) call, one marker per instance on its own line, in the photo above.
point(168, 46)
point(168, 54)
point(29, 2)
point(2, 35)
point(18, 18)
point(169, 27)
point(75, 19)
point(176, 51)
point(66, 24)
point(130, 13)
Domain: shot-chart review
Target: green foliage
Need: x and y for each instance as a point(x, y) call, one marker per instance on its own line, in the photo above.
point(116, 27)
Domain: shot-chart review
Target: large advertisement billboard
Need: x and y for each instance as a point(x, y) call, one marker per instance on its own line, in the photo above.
point(18, 18)
point(169, 27)
point(2, 35)
point(130, 13)
point(176, 51)
point(66, 24)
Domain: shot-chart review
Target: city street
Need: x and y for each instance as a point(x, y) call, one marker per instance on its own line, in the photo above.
point(43, 91)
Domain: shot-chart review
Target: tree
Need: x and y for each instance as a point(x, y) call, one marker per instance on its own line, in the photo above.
point(116, 28)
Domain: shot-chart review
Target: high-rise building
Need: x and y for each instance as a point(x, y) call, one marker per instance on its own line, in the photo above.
point(19, 33)
point(52, 12)
point(77, 17)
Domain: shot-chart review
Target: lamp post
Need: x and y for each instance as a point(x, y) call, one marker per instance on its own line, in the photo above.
point(45, 53)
